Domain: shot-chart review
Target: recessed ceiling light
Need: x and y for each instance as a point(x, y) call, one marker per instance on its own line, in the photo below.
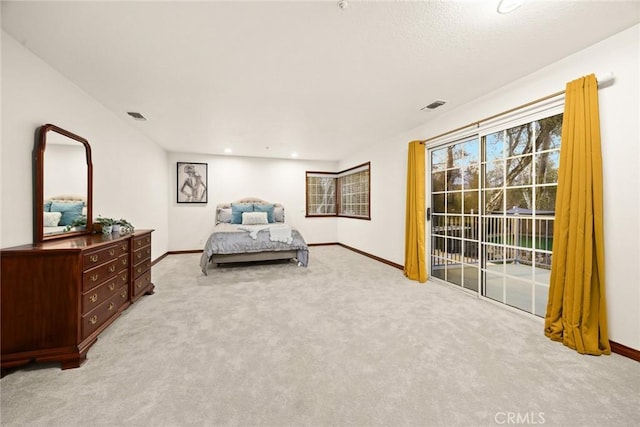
point(508, 6)
point(228, 151)
point(294, 154)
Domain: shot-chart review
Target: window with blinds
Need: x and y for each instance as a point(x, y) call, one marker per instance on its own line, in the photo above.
point(345, 193)
point(321, 194)
point(354, 194)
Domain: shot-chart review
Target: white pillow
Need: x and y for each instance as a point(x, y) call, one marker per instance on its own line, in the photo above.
point(224, 215)
point(51, 219)
point(254, 218)
point(278, 214)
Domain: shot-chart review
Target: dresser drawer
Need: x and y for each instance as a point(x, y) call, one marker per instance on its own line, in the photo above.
point(141, 283)
point(92, 320)
point(141, 254)
point(123, 278)
point(141, 241)
point(123, 261)
point(96, 276)
point(94, 258)
point(141, 267)
point(101, 293)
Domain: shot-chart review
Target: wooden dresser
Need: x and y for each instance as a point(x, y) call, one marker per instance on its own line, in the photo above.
point(58, 296)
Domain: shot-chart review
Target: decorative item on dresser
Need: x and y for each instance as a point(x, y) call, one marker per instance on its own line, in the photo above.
point(58, 296)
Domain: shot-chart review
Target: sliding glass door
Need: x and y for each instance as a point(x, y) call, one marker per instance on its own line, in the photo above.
point(455, 219)
point(492, 200)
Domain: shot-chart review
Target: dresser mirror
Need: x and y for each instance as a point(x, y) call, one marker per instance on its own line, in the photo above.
point(63, 184)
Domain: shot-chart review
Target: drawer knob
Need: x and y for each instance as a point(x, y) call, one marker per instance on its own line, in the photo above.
point(111, 305)
point(124, 261)
point(93, 298)
point(123, 247)
point(123, 294)
point(94, 277)
point(112, 286)
point(94, 258)
point(112, 268)
point(112, 252)
point(93, 320)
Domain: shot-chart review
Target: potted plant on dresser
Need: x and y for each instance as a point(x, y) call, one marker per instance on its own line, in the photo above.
point(103, 225)
point(123, 226)
point(109, 225)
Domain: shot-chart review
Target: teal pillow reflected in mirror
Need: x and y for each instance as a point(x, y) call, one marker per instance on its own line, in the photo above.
point(70, 211)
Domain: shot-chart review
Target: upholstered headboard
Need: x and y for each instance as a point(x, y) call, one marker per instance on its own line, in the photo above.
point(68, 198)
point(223, 210)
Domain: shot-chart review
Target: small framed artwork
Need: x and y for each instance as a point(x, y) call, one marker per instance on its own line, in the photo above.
point(192, 182)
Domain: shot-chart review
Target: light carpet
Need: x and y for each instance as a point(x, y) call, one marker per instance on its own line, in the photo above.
point(348, 341)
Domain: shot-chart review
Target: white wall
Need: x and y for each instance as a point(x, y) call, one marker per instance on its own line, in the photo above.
point(232, 178)
point(619, 113)
point(383, 235)
point(129, 170)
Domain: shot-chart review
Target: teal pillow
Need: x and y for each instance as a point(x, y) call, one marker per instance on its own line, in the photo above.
point(237, 209)
point(69, 210)
point(265, 208)
point(47, 206)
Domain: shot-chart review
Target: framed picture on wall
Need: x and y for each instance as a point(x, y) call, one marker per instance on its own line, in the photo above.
point(192, 182)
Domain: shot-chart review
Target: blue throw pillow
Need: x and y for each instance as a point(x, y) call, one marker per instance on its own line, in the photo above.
point(47, 206)
point(265, 208)
point(237, 209)
point(69, 210)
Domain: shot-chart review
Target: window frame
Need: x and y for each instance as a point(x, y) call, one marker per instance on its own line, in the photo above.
point(339, 178)
point(309, 194)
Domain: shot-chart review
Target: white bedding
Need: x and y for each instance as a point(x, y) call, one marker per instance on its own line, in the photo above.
point(277, 232)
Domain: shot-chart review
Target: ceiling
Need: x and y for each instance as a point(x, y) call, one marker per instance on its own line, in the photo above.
point(268, 79)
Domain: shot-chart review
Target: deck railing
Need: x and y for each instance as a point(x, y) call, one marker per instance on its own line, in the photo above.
point(506, 239)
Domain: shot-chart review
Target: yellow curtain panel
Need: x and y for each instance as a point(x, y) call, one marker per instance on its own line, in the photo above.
point(576, 310)
point(414, 253)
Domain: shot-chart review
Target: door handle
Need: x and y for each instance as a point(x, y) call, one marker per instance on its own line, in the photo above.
point(428, 214)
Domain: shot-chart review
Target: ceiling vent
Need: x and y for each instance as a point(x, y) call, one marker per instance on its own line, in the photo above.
point(136, 116)
point(434, 105)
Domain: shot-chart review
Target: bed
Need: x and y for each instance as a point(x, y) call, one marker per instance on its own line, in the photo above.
point(64, 213)
point(252, 229)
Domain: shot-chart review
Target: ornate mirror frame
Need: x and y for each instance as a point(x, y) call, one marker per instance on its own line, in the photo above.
point(45, 132)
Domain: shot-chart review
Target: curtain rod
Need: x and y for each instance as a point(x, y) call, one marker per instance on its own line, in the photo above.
point(603, 81)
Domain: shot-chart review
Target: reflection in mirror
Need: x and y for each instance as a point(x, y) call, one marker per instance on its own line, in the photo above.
point(63, 184)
